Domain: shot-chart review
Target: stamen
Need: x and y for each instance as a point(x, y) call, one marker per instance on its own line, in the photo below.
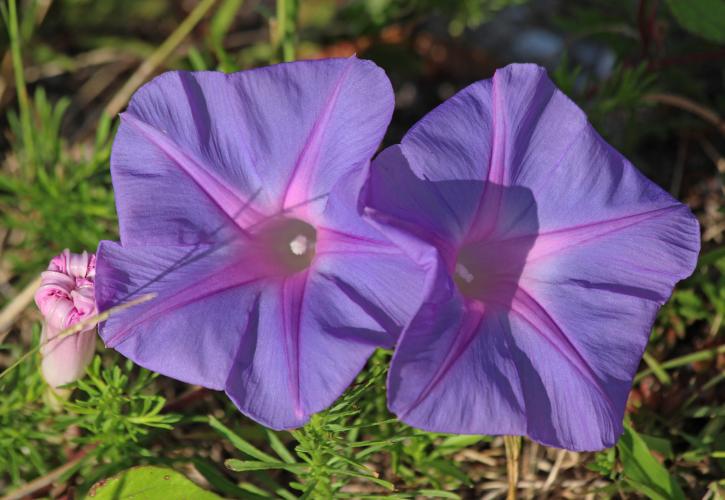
point(299, 244)
point(287, 246)
point(463, 273)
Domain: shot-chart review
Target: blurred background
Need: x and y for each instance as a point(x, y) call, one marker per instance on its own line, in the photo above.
point(651, 76)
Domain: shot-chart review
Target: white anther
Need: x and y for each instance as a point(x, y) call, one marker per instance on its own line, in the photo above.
point(299, 245)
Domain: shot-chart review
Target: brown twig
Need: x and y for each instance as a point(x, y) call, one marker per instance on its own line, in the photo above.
point(554, 472)
point(16, 306)
point(150, 65)
point(513, 450)
point(688, 105)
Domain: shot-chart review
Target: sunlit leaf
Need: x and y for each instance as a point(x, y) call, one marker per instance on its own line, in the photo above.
point(642, 471)
point(148, 482)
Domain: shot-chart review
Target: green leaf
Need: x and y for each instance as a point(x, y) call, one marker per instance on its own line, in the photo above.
point(249, 465)
point(148, 482)
point(438, 494)
point(658, 444)
point(705, 18)
point(240, 443)
point(643, 472)
point(453, 444)
point(380, 482)
point(279, 447)
point(219, 480)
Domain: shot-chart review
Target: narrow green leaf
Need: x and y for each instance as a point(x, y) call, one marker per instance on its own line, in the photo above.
point(240, 443)
point(380, 482)
point(438, 494)
point(223, 19)
point(657, 369)
point(642, 471)
point(250, 465)
point(219, 481)
point(452, 444)
point(279, 447)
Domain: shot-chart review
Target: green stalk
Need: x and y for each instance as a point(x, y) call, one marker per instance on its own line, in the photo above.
point(657, 369)
point(23, 101)
point(286, 28)
point(704, 355)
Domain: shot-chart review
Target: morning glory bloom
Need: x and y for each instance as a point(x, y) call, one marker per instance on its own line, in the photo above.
point(237, 198)
point(548, 256)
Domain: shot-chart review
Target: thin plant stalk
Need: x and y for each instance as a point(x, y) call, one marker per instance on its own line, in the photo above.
point(148, 67)
point(22, 91)
point(79, 328)
point(286, 28)
point(704, 355)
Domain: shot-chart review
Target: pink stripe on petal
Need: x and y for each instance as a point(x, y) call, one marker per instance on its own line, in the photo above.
point(292, 299)
point(301, 178)
point(233, 205)
point(525, 306)
point(468, 329)
point(553, 242)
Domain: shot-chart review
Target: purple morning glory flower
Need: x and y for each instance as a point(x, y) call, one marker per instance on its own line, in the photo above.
point(237, 198)
point(548, 256)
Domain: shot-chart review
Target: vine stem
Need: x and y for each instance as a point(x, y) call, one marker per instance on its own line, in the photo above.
point(513, 450)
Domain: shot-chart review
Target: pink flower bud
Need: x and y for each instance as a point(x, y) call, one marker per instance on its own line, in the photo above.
point(65, 297)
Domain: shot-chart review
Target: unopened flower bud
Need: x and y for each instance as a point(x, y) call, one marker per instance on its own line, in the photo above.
point(66, 297)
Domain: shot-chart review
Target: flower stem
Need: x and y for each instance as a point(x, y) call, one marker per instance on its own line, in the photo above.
point(513, 449)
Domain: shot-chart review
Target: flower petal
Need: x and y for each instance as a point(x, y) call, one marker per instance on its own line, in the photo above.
point(437, 212)
point(586, 246)
point(312, 333)
point(453, 370)
point(191, 329)
point(199, 148)
point(65, 360)
point(466, 367)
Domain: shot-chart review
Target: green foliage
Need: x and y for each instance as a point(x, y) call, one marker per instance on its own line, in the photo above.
point(622, 91)
point(116, 412)
point(368, 15)
point(27, 442)
point(55, 192)
point(58, 200)
point(643, 472)
point(336, 445)
point(148, 482)
point(705, 18)
point(109, 407)
point(220, 26)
